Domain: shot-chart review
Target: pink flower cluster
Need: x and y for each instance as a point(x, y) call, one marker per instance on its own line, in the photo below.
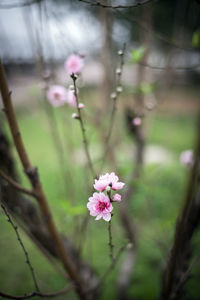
point(74, 64)
point(100, 205)
point(59, 95)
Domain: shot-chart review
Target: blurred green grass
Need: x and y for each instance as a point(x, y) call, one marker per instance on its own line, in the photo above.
point(156, 203)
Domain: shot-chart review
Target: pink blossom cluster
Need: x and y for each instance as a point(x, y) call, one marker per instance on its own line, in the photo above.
point(100, 204)
point(59, 95)
point(74, 64)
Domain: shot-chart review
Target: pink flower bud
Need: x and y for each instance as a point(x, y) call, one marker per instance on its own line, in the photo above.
point(137, 121)
point(116, 198)
point(81, 105)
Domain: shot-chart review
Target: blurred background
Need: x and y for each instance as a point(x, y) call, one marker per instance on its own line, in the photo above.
point(160, 80)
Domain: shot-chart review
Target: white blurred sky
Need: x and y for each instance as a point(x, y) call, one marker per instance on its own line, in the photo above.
point(78, 31)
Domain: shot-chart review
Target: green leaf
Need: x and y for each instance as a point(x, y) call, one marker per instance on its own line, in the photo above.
point(147, 88)
point(195, 38)
point(138, 54)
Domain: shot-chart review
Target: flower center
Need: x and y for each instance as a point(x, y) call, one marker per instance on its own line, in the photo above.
point(57, 96)
point(102, 206)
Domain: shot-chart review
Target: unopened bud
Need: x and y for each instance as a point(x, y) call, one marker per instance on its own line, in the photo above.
point(108, 188)
point(71, 87)
point(118, 71)
point(129, 246)
point(75, 116)
point(113, 95)
point(119, 89)
point(120, 52)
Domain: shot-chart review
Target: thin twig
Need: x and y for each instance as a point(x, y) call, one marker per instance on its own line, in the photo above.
point(109, 269)
point(23, 248)
point(110, 240)
point(114, 107)
point(85, 141)
point(181, 68)
point(99, 4)
point(34, 294)
point(32, 175)
point(186, 273)
point(16, 185)
point(161, 37)
point(22, 4)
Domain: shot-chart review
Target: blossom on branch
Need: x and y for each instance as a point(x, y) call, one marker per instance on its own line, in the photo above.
point(57, 95)
point(100, 206)
point(116, 198)
point(106, 180)
point(74, 64)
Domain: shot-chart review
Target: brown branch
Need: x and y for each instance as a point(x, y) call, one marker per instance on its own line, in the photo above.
point(85, 141)
point(22, 4)
point(16, 185)
point(32, 175)
point(100, 4)
point(38, 294)
point(187, 223)
point(23, 247)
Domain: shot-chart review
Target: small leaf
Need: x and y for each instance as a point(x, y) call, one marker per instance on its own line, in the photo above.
point(195, 38)
point(138, 54)
point(147, 88)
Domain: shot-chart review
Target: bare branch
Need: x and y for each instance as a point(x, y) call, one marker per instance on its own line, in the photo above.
point(32, 175)
point(110, 268)
point(100, 4)
point(181, 68)
point(22, 4)
point(38, 294)
point(22, 246)
point(85, 141)
point(110, 241)
point(16, 185)
point(187, 223)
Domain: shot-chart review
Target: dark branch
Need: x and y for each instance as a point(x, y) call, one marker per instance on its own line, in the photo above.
point(34, 294)
point(181, 68)
point(16, 185)
point(100, 4)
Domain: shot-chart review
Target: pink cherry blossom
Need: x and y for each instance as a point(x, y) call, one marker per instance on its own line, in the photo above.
point(71, 99)
point(100, 207)
point(108, 180)
point(137, 121)
point(57, 95)
point(187, 158)
point(74, 64)
point(116, 198)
